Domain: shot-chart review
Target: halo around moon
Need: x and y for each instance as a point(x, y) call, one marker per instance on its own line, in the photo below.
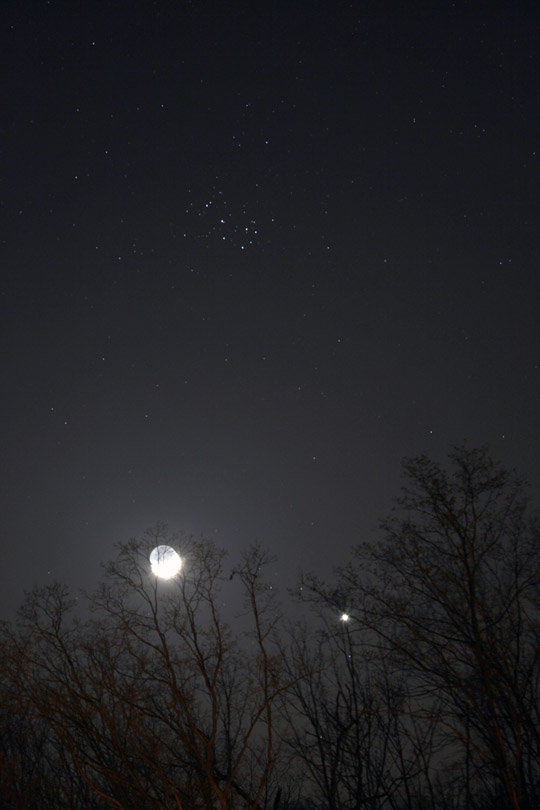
point(165, 562)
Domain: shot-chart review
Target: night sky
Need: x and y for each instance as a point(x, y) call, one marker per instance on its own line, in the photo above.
point(252, 255)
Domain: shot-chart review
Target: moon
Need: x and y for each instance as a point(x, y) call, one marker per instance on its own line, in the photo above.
point(165, 562)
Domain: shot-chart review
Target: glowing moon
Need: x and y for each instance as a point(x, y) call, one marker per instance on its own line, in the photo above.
point(165, 562)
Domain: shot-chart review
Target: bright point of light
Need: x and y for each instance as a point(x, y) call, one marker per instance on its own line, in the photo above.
point(165, 562)
point(344, 617)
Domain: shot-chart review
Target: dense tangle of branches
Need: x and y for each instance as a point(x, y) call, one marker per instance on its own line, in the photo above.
point(412, 681)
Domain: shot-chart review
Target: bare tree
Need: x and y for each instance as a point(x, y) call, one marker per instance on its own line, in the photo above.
point(452, 592)
point(426, 696)
point(353, 730)
point(153, 699)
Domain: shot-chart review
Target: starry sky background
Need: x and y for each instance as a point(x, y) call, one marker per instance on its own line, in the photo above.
point(252, 255)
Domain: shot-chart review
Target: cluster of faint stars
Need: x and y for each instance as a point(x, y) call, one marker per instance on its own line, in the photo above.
point(215, 218)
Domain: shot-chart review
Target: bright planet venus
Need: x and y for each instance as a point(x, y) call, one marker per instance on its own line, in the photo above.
point(165, 562)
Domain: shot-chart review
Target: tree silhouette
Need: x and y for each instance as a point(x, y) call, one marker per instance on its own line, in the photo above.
point(153, 699)
point(414, 684)
point(450, 596)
